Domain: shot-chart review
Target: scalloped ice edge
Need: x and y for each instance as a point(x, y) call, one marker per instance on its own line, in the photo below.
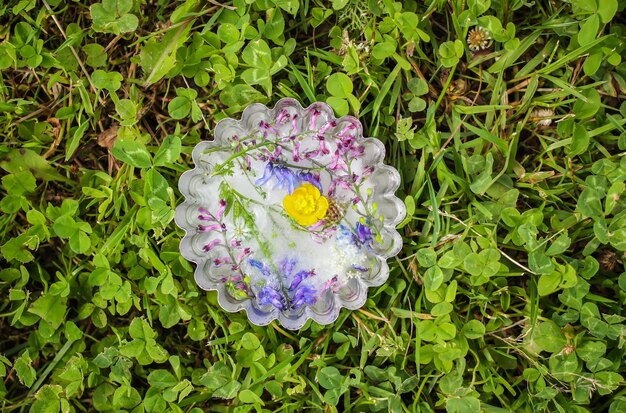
point(246, 305)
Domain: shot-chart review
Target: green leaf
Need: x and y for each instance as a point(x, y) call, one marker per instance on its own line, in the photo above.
point(19, 183)
point(549, 337)
point(417, 86)
point(433, 278)
point(50, 308)
point(16, 249)
point(473, 329)
point(589, 203)
point(96, 55)
point(250, 342)
point(132, 152)
point(559, 245)
point(248, 396)
point(441, 309)
point(588, 105)
point(25, 372)
point(157, 58)
point(589, 30)
point(110, 81)
point(23, 159)
point(112, 16)
point(179, 107)
point(339, 105)
point(580, 141)
point(427, 257)
point(383, 50)
point(339, 85)
point(339, 4)
point(74, 142)
point(465, 404)
point(162, 379)
point(607, 9)
point(329, 377)
point(549, 283)
point(236, 97)
point(258, 55)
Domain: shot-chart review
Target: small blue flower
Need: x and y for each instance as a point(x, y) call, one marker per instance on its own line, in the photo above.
point(294, 296)
point(363, 233)
point(269, 295)
point(304, 295)
point(286, 266)
point(299, 277)
point(260, 266)
point(363, 236)
point(311, 178)
point(283, 176)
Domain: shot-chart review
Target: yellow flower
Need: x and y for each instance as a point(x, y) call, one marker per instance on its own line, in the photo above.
point(306, 205)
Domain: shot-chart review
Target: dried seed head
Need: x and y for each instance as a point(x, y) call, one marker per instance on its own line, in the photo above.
point(478, 39)
point(568, 349)
point(335, 212)
point(608, 260)
point(542, 117)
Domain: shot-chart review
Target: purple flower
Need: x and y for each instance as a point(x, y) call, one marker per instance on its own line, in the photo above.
point(287, 265)
point(313, 179)
point(267, 128)
point(299, 277)
point(283, 176)
point(362, 237)
point(260, 266)
point(363, 233)
point(205, 214)
point(295, 296)
point(304, 295)
point(338, 182)
point(268, 295)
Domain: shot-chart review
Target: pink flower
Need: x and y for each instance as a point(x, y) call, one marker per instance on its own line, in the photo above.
point(294, 124)
point(243, 254)
point(218, 262)
point(220, 210)
point(326, 126)
point(337, 163)
point(313, 119)
point(211, 227)
point(282, 117)
point(323, 148)
point(346, 129)
point(210, 245)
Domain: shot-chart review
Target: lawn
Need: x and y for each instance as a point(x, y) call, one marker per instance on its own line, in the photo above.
point(505, 119)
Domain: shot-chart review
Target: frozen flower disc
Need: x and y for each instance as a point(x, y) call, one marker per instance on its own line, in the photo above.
point(290, 214)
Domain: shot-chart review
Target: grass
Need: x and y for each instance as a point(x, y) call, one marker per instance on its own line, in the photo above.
point(508, 295)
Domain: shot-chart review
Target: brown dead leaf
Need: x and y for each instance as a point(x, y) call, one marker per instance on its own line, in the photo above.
point(107, 138)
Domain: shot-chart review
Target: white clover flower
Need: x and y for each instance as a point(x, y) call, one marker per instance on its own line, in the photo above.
point(478, 39)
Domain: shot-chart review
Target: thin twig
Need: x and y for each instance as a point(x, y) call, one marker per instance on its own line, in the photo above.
point(80, 62)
